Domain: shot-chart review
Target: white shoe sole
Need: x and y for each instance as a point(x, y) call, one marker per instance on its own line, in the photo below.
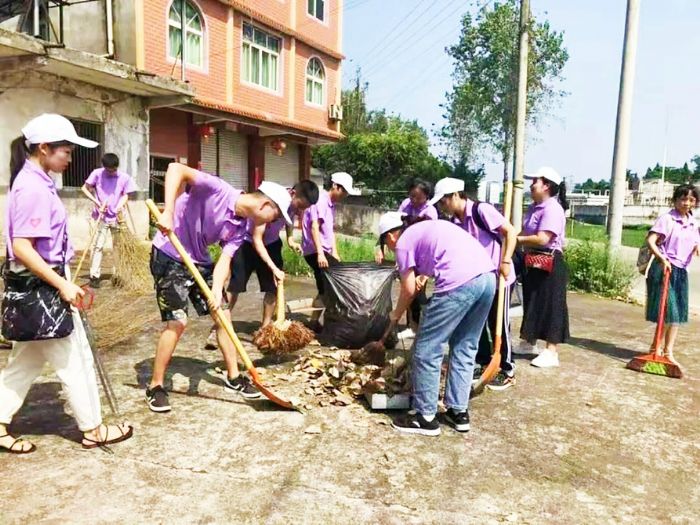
point(420, 431)
point(458, 427)
point(158, 410)
point(545, 365)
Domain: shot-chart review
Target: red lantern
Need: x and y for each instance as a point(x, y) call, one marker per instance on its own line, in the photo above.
point(279, 146)
point(206, 131)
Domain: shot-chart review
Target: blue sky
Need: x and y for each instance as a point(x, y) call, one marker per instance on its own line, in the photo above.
point(399, 44)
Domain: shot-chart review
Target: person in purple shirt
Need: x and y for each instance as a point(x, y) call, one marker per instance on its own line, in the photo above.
point(109, 189)
point(674, 240)
point(261, 253)
point(497, 235)
point(455, 314)
point(546, 315)
point(202, 210)
point(38, 247)
point(318, 237)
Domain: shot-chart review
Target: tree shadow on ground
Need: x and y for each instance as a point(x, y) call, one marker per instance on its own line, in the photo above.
point(611, 350)
point(43, 413)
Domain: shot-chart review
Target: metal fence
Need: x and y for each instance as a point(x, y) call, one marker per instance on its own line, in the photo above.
point(84, 160)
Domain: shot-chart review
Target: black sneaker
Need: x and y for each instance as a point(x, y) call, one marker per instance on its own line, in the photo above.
point(157, 399)
point(243, 386)
point(458, 420)
point(502, 381)
point(94, 282)
point(478, 370)
point(415, 423)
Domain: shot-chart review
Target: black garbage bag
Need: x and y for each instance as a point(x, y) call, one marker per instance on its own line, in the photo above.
point(357, 298)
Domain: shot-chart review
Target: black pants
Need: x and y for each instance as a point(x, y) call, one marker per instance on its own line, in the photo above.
point(312, 261)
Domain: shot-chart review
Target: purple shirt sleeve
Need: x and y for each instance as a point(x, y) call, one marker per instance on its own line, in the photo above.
point(405, 204)
point(31, 215)
point(129, 185)
point(491, 216)
point(92, 178)
point(205, 184)
point(552, 220)
point(663, 225)
point(405, 260)
point(231, 247)
point(313, 213)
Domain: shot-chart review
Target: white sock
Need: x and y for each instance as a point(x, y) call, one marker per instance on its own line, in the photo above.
point(429, 418)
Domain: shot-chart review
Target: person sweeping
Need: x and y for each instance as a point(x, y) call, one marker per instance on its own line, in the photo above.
point(202, 210)
point(39, 300)
point(109, 189)
point(261, 253)
point(674, 240)
point(498, 237)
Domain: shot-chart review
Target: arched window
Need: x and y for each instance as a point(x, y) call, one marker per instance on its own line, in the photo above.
point(315, 82)
point(194, 33)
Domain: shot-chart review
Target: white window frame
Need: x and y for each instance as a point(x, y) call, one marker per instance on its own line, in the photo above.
point(262, 49)
point(201, 33)
point(323, 82)
point(326, 11)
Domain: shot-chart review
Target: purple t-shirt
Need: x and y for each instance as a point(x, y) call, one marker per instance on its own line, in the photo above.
point(681, 237)
point(323, 212)
point(205, 215)
point(109, 189)
point(493, 220)
point(35, 211)
point(444, 251)
point(546, 216)
point(427, 210)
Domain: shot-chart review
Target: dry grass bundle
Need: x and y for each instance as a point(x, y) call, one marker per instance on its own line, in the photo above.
point(119, 315)
point(131, 256)
point(282, 337)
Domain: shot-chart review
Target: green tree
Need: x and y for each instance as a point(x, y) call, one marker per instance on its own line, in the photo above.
point(481, 106)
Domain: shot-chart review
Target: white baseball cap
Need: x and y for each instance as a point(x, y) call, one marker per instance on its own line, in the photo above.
point(390, 221)
point(279, 195)
point(447, 186)
point(345, 180)
point(50, 127)
point(545, 172)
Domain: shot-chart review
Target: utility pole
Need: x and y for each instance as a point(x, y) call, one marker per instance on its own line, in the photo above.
point(521, 116)
point(622, 127)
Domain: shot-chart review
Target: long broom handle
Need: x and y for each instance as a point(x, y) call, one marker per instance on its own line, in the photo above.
point(89, 247)
point(662, 312)
point(280, 302)
point(507, 205)
point(218, 313)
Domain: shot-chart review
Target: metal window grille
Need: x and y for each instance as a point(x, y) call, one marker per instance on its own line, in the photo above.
point(84, 160)
point(156, 187)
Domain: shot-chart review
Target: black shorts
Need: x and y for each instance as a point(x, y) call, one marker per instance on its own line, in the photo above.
point(312, 261)
point(247, 260)
point(175, 285)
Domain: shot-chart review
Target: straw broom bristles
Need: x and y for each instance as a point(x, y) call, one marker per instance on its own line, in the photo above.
point(132, 256)
point(282, 338)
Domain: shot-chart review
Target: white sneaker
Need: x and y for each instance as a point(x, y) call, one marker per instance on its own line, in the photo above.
point(546, 359)
point(407, 334)
point(525, 348)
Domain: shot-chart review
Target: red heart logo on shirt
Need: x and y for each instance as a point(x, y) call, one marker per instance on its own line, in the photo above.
point(35, 222)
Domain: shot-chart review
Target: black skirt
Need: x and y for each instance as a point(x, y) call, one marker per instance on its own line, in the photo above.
point(546, 315)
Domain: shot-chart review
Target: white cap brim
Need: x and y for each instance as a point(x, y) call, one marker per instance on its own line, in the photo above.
point(436, 198)
point(86, 143)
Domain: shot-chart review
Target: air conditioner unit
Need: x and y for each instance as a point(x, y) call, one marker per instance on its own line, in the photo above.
point(335, 112)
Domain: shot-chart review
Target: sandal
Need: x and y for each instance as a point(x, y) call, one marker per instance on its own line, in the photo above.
point(12, 450)
point(123, 436)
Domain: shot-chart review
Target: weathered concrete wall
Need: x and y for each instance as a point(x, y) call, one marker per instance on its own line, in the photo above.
point(84, 27)
point(125, 32)
point(26, 94)
point(352, 219)
point(596, 214)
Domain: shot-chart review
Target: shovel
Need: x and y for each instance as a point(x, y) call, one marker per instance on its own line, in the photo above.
point(495, 364)
point(218, 314)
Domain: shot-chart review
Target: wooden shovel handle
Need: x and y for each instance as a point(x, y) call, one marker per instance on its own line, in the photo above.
point(280, 302)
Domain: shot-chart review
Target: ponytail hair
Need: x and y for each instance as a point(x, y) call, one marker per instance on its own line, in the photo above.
point(18, 155)
point(559, 191)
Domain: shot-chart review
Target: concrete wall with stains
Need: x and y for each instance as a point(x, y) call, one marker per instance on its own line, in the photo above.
point(26, 94)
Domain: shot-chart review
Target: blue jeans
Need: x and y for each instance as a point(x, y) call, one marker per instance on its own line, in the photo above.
point(457, 317)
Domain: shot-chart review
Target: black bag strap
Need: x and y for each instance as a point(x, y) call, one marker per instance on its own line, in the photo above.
point(481, 224)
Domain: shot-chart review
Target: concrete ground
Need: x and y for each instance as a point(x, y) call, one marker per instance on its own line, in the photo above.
point(590, 442)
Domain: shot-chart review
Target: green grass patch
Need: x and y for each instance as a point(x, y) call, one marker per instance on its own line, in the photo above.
point(592, 270)
point(633, 235)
